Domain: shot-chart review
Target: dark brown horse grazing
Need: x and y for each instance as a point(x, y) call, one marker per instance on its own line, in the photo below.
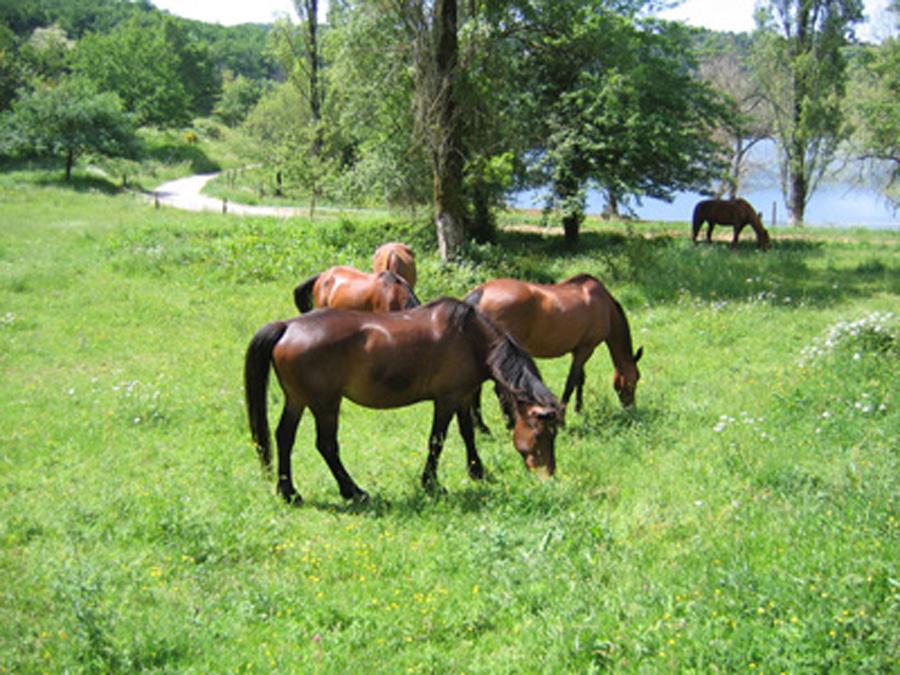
point(346, 287)
point(440, 352)
point(398, 258)
point(573, 316)
point(735, 212)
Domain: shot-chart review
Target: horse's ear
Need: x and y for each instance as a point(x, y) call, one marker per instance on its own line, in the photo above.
point(638, 354)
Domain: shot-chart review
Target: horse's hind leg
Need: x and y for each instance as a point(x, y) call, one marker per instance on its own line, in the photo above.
point(466, 430)
point(575, 378)
point(327, 445)
point(441, 420)
point(709, 230)
point(285, 435)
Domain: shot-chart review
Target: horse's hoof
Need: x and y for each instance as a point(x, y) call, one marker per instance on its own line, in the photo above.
point(476, 471)
point(360, 497)
point(432, 488)
point(292, 499)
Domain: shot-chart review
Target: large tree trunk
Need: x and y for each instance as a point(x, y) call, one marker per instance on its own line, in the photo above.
point(797, 199)
point(447, 156)
point(70, 162)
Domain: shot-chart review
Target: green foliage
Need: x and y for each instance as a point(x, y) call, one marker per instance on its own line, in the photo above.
point(799, 61)
point(239, 96)
point(68, 120)
point(873, 106)
point(613, 102)
point(12, 68)
point(160, 74)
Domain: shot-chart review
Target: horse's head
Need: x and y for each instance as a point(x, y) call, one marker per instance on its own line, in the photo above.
point(763, 240)
point(534, 435)
point(626, 378)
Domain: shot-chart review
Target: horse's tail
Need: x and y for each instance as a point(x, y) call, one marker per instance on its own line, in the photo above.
point(303, 294)
point(256, 384)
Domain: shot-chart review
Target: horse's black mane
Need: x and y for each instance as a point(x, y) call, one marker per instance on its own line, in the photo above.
point(514, 370)
point(389, 277)
point(629, 346)
point(510, 365)
point(581, 278)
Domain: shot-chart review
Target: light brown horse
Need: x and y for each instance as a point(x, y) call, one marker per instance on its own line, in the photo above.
point(345, 287)
point(440, 352)
point(571, 317)
point(398, 258)
point(735, 212)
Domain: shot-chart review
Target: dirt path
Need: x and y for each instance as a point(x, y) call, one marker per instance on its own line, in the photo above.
point(186, 193)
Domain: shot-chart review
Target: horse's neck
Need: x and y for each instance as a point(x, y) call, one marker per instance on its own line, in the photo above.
point(617, 342)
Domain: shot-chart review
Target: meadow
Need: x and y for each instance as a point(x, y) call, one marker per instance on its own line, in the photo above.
point(742, 518)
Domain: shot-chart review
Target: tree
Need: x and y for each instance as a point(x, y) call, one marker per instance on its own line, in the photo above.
point(47, 52)
point(724, 65)
point(160, 74)
point(12, 68)
point(68, 120)
point(372, 91)
point(298, 52)
point(873, 105)
point(617, 103)
point(239, 95)
point(430, 41)
point(800, 65)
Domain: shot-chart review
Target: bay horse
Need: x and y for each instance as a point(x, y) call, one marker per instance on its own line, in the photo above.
point(440, 352)
point(398, 258)
point(735, 212)
point(345, 287)
point(570, 317)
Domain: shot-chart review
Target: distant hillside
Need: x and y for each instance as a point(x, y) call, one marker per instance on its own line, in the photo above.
point(240, 49)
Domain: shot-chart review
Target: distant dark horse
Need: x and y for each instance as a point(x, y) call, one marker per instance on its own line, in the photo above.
point(735, 212)
point(398, 258)
point(571, 317)
point(440, 352)
point(345, 287)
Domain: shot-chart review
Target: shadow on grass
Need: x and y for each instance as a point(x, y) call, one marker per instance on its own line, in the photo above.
point(80, 183)
point(664, 267)
point(473, 499)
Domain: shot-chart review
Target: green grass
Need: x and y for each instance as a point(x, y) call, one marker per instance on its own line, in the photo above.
point(743, 517)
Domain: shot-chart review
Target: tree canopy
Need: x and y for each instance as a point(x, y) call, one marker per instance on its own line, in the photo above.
point(67, 120)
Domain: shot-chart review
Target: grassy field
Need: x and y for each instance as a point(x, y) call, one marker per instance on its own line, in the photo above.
point(744, 517)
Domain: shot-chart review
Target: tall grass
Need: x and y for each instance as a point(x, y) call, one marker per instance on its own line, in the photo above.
point(743, 517)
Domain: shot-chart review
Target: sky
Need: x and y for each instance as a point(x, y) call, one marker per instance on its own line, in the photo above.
point(725, 15)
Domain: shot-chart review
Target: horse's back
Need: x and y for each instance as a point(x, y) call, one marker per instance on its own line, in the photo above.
point(382, 360)
point(345, 287)
point(549, 320)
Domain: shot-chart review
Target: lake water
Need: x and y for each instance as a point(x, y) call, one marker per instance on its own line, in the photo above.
point(836, 204)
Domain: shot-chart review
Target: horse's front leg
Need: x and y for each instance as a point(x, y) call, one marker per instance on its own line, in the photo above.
point(327, 445)
point(466, 430)
point(575, 378)
point(709, 231)
point(443, 413)
point(285, 435)
point(737, 233)
point(475, 413)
